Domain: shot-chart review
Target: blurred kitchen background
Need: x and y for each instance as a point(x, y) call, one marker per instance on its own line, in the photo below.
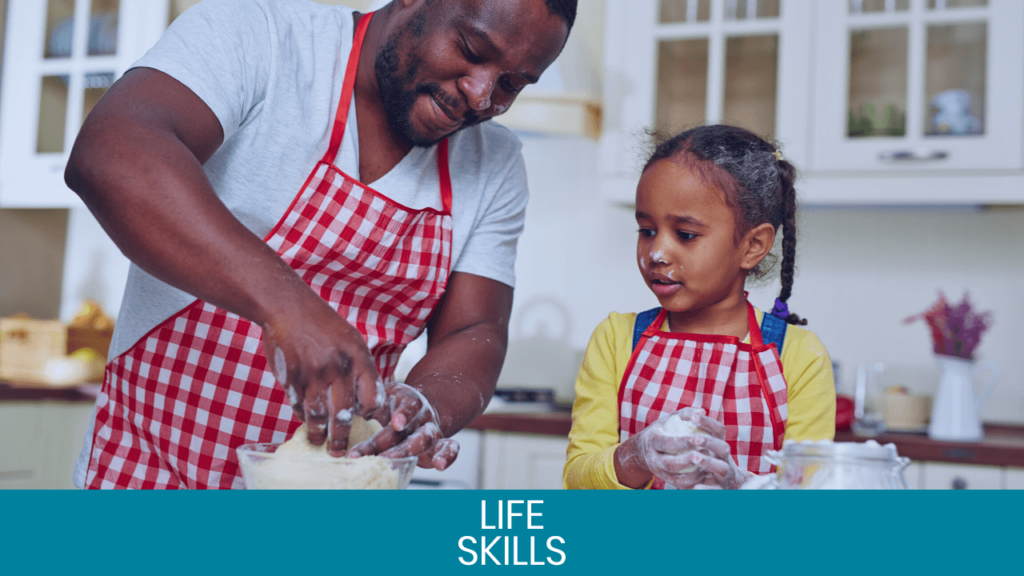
point(906, 118)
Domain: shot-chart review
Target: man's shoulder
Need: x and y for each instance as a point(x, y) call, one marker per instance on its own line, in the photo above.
point(290, 14)
point(287, 14)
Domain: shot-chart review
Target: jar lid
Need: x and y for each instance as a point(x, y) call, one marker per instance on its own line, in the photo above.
point(869, 450)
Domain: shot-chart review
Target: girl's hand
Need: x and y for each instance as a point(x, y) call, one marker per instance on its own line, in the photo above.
point(713, 461)
point(659, 451)
point(685, 462)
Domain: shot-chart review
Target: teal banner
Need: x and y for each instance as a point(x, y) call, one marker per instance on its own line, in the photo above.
point(449, 532)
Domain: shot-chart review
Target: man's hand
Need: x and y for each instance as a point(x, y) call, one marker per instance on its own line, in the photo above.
point(414, 430)
point(324, 366)
point(453, 383)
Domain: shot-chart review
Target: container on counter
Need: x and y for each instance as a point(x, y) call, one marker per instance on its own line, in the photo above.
point(825, 465)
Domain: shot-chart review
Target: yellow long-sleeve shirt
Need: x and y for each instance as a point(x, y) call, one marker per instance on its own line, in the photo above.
point(595, 413)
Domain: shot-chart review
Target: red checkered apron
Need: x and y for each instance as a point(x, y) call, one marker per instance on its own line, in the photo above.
point(740, 385)
point(175, 406)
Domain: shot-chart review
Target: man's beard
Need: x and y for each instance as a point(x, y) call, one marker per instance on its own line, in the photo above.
point(399, 101)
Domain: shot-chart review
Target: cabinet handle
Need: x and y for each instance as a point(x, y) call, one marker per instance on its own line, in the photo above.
point(959, 483)
point(17, 475)
point(913, 155)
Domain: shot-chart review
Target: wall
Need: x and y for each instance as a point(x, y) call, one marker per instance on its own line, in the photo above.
point(860, 272)
point(31, 259)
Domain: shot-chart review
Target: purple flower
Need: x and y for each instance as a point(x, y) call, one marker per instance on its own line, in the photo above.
point(956, 330)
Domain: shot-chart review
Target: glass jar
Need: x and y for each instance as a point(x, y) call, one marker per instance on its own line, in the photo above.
point(839, 465)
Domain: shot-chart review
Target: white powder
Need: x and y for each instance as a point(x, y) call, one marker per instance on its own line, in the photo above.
point(299, 465)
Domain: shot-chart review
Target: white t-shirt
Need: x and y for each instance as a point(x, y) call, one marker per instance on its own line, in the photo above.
point(272, 72)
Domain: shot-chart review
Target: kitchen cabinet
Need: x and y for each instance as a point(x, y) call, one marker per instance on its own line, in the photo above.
point(39, 443)
point(59, 58)
point(912, 85)
point(875, 101)
point(523, 461)
point(961, 477)
point(673, 64)
point(913, 474)
point(1014, 479)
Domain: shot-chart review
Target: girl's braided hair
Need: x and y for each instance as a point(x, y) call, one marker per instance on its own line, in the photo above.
point(758, 183)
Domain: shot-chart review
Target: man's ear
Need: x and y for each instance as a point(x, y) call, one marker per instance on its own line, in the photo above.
point(756, 245)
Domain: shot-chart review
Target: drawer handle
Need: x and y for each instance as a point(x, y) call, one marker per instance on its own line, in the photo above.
point(16, 475)
point(913, 156)
point(959, 483)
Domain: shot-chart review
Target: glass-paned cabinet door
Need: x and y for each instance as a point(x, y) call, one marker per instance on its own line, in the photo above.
point(919, 84)
point(59, 58)
point(676, 64)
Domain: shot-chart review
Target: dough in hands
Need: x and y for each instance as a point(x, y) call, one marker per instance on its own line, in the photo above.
point(676, 426)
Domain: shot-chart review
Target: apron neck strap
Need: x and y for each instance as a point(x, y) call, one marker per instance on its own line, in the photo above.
point(345, 102)
point(446, 178)
point(755, 330)
point(656, 325)
point(347, 88)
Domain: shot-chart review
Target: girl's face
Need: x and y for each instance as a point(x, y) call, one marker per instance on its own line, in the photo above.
point(687, 249)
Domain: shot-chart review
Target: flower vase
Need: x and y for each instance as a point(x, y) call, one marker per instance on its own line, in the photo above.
point(956, 412)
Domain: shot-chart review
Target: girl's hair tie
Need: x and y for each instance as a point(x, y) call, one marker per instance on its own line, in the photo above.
point(778, 155)
point(781, 309)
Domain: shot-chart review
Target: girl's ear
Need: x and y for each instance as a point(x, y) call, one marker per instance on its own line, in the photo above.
point(756, 245)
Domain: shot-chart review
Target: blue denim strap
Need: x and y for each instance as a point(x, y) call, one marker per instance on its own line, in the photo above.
point(643, 321)
point(773, 330)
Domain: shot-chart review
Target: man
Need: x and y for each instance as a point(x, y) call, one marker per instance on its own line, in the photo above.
point(407, 222)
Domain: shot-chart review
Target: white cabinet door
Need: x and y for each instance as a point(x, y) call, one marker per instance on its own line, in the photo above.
point(961, 477)
point(676, 64)
point(39, 443)
point(913, 474)
point(60, 56)
point(905, 86)
point(22, 449)
point(66, 424)
point(1014, 479)
point(523, 461)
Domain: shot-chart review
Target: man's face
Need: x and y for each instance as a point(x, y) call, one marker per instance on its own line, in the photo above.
point(450, 64)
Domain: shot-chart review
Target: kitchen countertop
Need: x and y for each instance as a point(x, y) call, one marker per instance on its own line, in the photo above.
point(1003, 445)
point(22, 392)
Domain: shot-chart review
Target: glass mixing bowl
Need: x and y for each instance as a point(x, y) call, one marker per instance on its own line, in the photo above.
point(264, 470)
point(839, 465)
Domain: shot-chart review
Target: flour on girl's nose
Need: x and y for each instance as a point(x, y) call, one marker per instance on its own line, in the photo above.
point(658, 257)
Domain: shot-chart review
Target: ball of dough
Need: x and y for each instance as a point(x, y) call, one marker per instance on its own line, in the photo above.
point(298, 444)
point(677, 427)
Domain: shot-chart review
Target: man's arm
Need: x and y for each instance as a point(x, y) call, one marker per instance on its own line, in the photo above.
point(468, 336)
point(138, 165)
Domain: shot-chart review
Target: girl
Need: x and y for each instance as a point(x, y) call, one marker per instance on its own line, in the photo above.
point(695, 392)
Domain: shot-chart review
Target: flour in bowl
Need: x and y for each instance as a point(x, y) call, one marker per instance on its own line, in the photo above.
point(299, 465)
